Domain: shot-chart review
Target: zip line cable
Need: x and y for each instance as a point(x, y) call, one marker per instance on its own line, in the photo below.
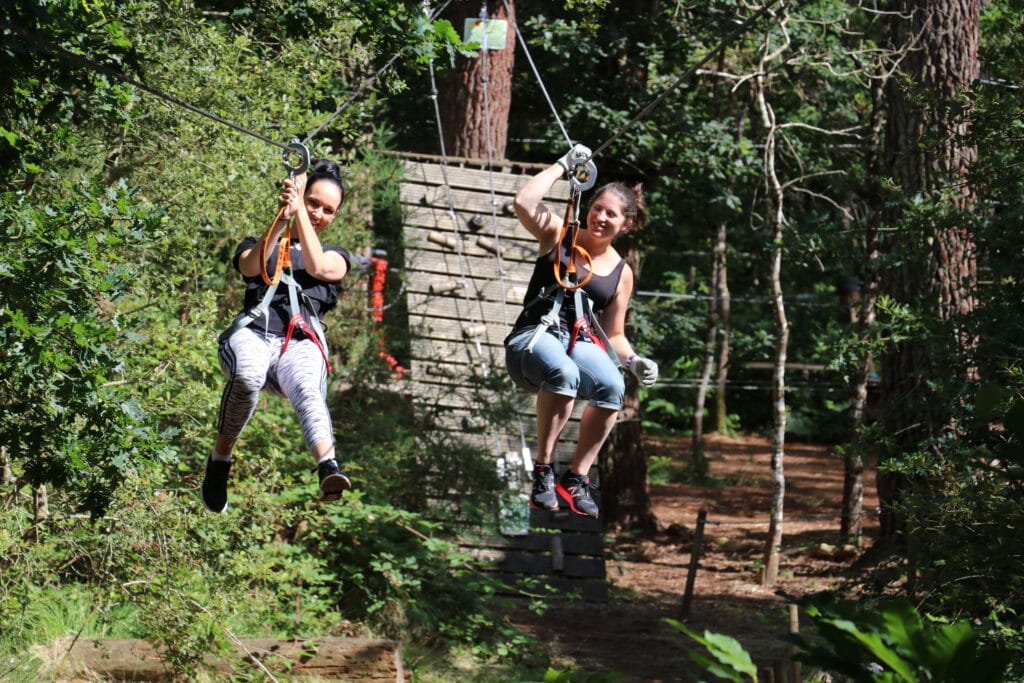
point(485, 80)
point(370, 81)
point(686, 75)
point(80, 60)
point(536, 73)
point(87, 63)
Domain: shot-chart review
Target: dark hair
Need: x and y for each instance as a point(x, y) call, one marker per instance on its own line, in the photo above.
point(633, 199)
point(326, 170)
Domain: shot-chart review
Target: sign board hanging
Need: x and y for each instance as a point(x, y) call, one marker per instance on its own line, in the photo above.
point(497, 29)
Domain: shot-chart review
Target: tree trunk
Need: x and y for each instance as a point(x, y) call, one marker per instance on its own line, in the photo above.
point(942, 59)
point(625, 500)
point(476, 93)
point(718, 313)
point(774, 196)
point(851, 523)
point(699, 461)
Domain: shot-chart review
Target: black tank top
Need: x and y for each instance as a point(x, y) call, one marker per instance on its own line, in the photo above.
point(600, 290)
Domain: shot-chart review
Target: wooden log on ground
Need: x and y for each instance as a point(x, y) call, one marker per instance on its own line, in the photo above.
point(367, 660)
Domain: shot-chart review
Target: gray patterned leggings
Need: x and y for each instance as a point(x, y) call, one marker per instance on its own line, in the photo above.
point(253, 362)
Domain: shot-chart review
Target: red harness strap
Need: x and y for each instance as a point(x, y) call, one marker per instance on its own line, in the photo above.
point(300, 322)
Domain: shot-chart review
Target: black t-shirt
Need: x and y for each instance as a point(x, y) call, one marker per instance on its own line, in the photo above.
point(600, 289)
point(322, 295)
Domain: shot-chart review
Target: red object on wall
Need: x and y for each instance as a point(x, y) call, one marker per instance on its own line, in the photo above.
point(377, 280)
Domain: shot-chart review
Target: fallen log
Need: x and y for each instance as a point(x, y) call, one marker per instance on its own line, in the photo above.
point(366, 660)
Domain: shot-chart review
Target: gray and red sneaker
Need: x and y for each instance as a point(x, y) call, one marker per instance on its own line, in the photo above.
point(577, 490)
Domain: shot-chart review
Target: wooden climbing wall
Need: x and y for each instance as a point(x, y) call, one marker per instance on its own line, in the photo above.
point(467, 263)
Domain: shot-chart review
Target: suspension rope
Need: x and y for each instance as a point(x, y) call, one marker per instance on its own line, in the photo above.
point(431, 16)
point(536, 73)
point(485, 79)
point(460, 255)
point(87, 63)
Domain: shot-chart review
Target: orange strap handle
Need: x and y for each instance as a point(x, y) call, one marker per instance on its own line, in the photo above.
point(571, 223)
point(284, 258)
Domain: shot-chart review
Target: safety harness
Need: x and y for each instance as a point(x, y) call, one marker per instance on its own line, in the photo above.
point(303, 312)
point(582, 176)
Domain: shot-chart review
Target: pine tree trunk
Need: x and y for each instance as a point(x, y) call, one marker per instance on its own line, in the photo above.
point(943, 60)
point(625, 502)
point(475, 96)
point(625, 499)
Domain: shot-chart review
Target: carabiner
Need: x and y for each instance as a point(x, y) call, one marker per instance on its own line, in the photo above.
point(583, 176)
point(295, 148)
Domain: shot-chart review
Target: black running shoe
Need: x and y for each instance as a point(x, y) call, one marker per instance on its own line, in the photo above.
point(543, 495)
point(333, 482)
point(577, 490)
point(214, 492)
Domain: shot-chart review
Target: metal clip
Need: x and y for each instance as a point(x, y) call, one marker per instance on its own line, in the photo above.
point(292, 149)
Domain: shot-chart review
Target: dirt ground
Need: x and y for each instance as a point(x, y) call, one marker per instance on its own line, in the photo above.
point(648, 575)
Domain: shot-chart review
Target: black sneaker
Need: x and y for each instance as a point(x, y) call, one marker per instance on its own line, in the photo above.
point(333, 482)
point(543, 495)
point(214, 492)
point(577, 490)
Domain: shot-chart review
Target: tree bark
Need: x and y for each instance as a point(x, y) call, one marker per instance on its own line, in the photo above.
point(476, 93)
point(851, 525)
point(625, 499)
point(774, 200)
point(923, 108)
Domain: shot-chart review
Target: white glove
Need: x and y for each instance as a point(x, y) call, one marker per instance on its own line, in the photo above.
point(574, 157)
point(644, 369)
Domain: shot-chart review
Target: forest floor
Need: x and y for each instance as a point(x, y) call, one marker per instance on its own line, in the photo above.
point(648, 575)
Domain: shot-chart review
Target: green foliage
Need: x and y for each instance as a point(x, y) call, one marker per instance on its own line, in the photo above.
point(728, 660)
point(68, 419)
point(893, 642)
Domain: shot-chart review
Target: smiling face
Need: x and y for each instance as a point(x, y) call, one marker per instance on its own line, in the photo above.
point(607, 216)
point(323, 198)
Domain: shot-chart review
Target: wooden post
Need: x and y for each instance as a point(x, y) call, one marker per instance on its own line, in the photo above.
point(691, 575)
point(794, 629)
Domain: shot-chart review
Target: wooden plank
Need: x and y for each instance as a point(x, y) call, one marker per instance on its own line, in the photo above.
point(566, 520)
point(504, 183)
point(362, 659)
point(441, 239)
point(573, 543)
point(573, 566)
point(426, 217)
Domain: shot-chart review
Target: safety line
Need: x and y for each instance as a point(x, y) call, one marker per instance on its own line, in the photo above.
point(431, 16)
point(453, 217)
point(485, 79)
point(685, 76)
point(118, 75)
point(536, 73)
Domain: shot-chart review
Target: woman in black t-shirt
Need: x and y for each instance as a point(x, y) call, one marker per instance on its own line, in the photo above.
point(275, 344)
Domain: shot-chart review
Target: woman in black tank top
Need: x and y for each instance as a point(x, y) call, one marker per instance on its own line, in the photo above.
point(567, 345)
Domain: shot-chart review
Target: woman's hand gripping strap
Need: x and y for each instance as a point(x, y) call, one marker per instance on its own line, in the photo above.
point(294, 150)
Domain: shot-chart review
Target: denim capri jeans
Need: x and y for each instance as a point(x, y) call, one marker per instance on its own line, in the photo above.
point(588, 372)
